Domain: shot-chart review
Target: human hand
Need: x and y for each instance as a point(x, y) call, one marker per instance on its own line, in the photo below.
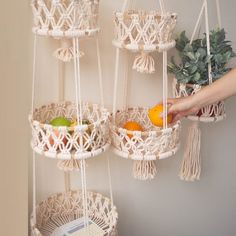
point(181, 107)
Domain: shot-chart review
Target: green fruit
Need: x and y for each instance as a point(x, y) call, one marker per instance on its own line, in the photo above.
point(60, 121)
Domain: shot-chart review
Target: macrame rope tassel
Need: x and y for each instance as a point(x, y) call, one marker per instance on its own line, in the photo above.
point(66, 52)
point(69, 165)
point(144, 63)
point(144, 170)
point(191, 165)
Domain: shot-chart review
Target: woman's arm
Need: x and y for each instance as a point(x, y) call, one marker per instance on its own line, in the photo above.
point(219, 90)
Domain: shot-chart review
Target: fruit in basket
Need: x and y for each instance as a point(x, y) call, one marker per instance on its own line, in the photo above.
point(58, 122)
point(132, 126)
point(155, 115)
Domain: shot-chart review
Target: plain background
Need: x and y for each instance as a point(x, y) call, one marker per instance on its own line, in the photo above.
point(165, 206)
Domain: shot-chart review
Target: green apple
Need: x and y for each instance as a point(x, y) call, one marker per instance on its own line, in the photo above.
point(60, 121)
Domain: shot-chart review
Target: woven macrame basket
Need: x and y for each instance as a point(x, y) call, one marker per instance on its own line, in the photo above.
point(210, 113)
point(146, 31)
point(80, 141)
point(155, 143)
point(65, 18)
point(62, 208)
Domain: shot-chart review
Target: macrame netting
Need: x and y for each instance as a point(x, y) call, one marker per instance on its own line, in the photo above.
point(80, 141)
point(65, 18)
point(145, 32)
point(63, 208)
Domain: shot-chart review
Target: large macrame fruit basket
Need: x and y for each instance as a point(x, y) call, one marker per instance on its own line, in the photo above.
point(210, 113)
point(146, 31)
point(62, 208)
point(144, 147)
point(65, 18)
point(65, 143)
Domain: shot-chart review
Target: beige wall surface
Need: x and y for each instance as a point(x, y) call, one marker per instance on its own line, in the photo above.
point(165, 206)
point(14, 102)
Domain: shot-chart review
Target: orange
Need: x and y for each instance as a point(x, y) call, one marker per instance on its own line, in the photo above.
point(132, 126)
point(155, 115)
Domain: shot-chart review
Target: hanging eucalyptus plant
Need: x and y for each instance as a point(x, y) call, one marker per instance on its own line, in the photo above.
point(193, 66)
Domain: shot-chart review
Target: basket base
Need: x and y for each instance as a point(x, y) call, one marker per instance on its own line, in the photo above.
point(66, 34)
point(207, 119)
point(144, 48)
point(68, 156)
point(146, 157)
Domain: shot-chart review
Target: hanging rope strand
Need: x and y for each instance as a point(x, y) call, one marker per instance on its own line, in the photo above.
point(218, 14)
point(34, 188)
point(165, 92)
point(79, 84)
point(208, 42)
point(76, 81)
point(100, 73)
point(198, 23)
point(109, 179)
point(162, 5)
point(115, 84)
point(126, 81)
point(34, 73)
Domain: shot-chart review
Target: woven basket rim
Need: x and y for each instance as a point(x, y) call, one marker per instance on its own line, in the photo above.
point(104, 117)
point(158, 130)
point(156, 13)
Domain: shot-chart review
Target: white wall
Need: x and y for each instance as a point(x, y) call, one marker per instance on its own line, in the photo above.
point(165, 206)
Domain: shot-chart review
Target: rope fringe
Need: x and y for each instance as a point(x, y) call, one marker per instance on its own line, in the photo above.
point(191, 165)
point(144, 63)
point(69, 165)
point(66, 54)
point(144, 170)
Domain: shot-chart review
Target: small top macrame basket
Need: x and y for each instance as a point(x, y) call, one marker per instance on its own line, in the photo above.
point(144, 32)
point(65, 18)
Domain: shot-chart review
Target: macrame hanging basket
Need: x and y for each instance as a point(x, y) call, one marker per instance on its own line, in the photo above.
point(210, 113)
point(62, 208)
point(65, 18)
point(143, 147)
point(144, 32)
point(66, 143)
point(191, 164)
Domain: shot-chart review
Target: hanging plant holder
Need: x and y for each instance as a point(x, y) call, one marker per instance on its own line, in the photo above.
point(143, 147)
point(65, 143)
point(203, 61)
point(62, 208)
point(210, 113)
point(144, 32)
point(65, 18)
